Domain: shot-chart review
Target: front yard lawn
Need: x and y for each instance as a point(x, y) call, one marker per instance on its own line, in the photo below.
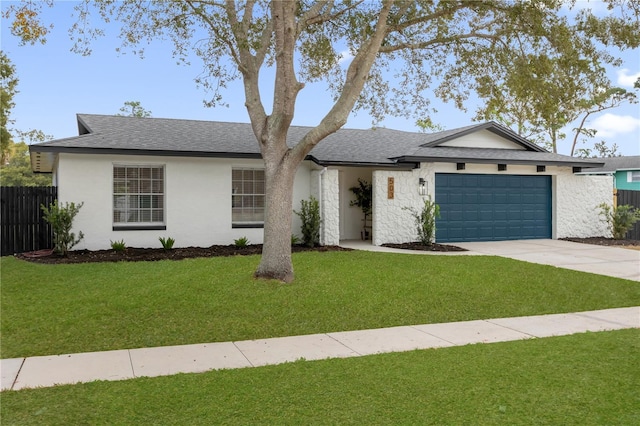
point(583, 379)
point(56, 309)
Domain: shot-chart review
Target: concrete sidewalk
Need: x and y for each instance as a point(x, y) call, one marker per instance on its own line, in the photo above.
point(46, 371)
point(602, 260)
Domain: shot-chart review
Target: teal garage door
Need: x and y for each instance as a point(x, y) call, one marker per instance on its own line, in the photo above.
point(492, 207)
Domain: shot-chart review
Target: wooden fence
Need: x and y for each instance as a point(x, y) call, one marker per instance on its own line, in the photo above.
point(631, 198)
point(21, 224)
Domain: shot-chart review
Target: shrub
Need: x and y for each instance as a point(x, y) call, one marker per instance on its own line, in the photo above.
point(426, 221)
point(167, 243)
point(118, 246)
point(241, 242)
point(619, 219)
point(60, 217)
point(310, 215)
point(294, 239)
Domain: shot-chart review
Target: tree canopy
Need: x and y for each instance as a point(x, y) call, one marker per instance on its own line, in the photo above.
point(402, 54)
point(8, 83)
point(134, 109)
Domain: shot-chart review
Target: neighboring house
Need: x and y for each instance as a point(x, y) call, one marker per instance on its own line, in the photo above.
point(202, 183)
point(625, 170)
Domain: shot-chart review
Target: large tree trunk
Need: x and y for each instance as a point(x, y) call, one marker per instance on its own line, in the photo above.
point(276, 251)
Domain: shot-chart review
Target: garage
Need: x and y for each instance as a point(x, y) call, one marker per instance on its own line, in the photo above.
point(476, 207)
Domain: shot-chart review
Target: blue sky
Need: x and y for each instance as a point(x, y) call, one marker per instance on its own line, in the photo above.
point(55, 84)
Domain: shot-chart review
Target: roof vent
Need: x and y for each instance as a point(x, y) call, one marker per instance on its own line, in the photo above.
point(502, 167)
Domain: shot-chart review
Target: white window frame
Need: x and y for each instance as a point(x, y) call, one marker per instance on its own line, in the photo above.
point(247, 197)
point(139, 200)
point(633, 176)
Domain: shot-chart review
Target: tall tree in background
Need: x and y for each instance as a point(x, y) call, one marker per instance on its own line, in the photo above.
point(15, 167)
point(134, 109)
point(8, 83)
point(403, 54)
point(17, 170)
point(568, 88)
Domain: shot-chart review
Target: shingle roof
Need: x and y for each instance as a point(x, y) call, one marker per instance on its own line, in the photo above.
point(381, 147)
point(614, 164)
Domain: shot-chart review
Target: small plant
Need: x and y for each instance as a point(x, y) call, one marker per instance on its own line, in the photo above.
point(241, 242)
point(310, 215)
point(60, 217)
point(426, 221)
point(167, 243)
point(294, 239)
point(118, 246)
point(619, 219)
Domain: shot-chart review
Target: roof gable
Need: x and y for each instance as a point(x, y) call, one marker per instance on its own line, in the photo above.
point(486, 135)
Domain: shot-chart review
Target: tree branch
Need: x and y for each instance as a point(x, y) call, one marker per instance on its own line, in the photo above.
point(431, 43)
point(355, 79)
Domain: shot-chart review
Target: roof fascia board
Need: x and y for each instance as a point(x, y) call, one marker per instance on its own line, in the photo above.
point(149, 152)
point(395, 165)
point(496, 161)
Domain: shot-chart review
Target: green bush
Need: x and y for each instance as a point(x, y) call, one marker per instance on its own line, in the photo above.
point(619, 219)
point(60, 217)
point(310, 215)
point(167, 243)
point(294, 239)
point(118, 246)
point(364, 197)
point(426, 221)
point(241, 242)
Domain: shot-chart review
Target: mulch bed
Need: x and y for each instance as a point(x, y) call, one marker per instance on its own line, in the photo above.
point(421, 247)
point(132, 254)
point(602, 241)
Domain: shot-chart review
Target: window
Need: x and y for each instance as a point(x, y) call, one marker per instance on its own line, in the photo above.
point(247, 199)
point(633, 176)
point(138, 197)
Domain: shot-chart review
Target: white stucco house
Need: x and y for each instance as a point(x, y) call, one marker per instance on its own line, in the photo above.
point(202, 183)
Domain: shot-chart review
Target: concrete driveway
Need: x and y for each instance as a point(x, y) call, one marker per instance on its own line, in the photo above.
point(602, 260)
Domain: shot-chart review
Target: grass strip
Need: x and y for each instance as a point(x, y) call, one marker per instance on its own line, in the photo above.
point(57, 309)
point(583, 379)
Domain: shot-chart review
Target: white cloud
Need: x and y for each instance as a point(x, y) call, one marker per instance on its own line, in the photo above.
point(610, 125)
point(626, 79)
point(345, 57)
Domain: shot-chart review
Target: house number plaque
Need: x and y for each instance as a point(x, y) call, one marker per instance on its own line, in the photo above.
point(390, 188)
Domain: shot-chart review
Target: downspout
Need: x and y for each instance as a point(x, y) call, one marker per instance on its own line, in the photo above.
point(322, 238)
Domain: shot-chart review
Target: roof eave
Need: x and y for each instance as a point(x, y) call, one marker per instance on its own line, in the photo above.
point(392, 165)
point(148, 152)
point(427, 159)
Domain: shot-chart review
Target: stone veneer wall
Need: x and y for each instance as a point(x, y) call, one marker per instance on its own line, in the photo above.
point(576, 200)
point(392, 223)
point(325, 188)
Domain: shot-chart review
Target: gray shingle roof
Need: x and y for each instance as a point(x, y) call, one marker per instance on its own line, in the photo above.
point(382, 147)
point(614, 164)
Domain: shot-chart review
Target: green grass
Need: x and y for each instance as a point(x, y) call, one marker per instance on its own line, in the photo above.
point(584, 379)
point(55, 309)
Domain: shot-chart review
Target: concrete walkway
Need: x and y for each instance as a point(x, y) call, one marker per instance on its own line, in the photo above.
point(602, 260)
point(46, 371)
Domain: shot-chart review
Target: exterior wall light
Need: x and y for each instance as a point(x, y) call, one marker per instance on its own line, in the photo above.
point(422, 187)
